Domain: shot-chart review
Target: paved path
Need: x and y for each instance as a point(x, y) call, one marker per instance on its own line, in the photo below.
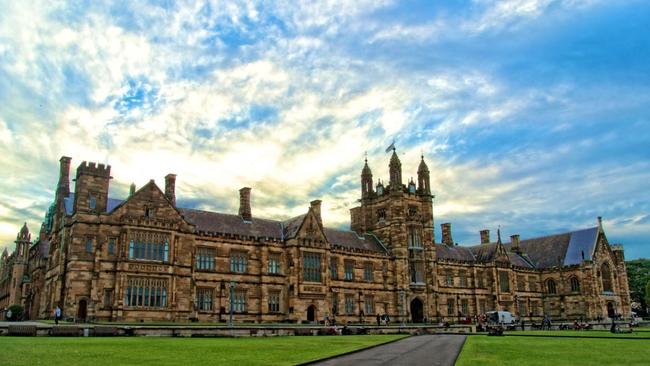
point(439, 350)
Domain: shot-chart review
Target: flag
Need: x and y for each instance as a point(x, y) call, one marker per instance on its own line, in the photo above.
point(391, 146)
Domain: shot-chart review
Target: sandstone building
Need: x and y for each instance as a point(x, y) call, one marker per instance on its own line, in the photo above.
point(145, 258)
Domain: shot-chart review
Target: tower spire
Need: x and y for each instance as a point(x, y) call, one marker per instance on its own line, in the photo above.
point(395, 168)
point(366, 179)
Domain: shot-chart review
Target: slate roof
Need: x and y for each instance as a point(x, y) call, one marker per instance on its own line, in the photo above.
point(281, 230)
point(543, 252)
point(215, 222)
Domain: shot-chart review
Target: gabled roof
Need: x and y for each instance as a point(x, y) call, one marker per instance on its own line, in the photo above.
point(291, 226)
point(543, 252)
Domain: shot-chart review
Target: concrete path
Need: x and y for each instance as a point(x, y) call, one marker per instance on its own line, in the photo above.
point(439, 350)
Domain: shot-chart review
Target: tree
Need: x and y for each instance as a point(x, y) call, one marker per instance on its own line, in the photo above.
point(647, 295)
point(638, 275)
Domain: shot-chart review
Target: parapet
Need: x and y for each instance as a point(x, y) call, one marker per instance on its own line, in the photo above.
point(96, 170)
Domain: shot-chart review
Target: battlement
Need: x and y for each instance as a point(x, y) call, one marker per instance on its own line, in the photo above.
point(91, 168)
point(616, 247)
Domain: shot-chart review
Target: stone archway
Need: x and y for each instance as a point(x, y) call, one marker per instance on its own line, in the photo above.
point(311, 313)
point(82, 310)
point(417, 311)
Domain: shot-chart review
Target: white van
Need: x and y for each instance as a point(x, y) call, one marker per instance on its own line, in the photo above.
point(500, 317)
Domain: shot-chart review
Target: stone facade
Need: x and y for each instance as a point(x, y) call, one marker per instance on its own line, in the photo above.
point(144, 258)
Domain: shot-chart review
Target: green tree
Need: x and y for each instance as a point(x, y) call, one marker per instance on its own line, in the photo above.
point(638, 275)
point(647, 294)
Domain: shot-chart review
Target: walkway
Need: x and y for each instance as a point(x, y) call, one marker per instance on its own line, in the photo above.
point(439, 350)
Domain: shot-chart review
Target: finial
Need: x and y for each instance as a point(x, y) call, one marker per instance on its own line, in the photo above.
point(366, 156)
point(499, 233)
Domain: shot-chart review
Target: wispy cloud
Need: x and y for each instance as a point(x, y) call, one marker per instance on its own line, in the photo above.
point(524, 117)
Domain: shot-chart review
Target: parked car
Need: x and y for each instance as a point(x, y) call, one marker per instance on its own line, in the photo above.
point(500, 317)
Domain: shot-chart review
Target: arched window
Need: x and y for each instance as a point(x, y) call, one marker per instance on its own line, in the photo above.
point(550, 287)
point(606, 278)
point(575, 284)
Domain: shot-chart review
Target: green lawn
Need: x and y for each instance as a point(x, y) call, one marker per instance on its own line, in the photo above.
point(53, 351)
point(557, 351)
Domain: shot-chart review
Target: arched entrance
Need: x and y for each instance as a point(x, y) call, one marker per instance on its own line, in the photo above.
point(311, 313)
point(417, 313)
point(82, 310)
point(611, 311)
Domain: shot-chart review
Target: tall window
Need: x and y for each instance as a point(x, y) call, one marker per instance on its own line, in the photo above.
point(451, 307)
point(89, 245)
point(449, 278)
point(479, 279)
point(204, 298)
point(504, 281)
point(239, 301)
point(369, 305)
point(149, 246)
point(335, 303)
point(532, 283)
point(311, 267)
point(550, 287)
point(111, 245)
point(368, 272)
point(575, 284)
point(349, 270)
point(522, 309)
point(349, 304)
point(417, 271)
point(146, 292)
point(414, 238)
point(274, 302)
point(274, 263)
point(238, 261)
point(521, 283)
point(606, 278)
point(334, 270)
point(92, 203)
point(464, 306)
point(481, 306)
point(463, 278)
point(108, 297)
point(204, 260)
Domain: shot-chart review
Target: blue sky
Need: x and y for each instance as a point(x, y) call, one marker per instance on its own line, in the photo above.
point(531, 114)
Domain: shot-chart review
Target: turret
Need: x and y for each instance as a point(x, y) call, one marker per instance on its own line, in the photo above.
point(63, 188)
point(395, 168)
point(423, 178)
point(22, 242)
point(91, 188)
point(366, 181)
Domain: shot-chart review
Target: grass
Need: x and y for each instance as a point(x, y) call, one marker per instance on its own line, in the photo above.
point(557, 351)
point(52, 351)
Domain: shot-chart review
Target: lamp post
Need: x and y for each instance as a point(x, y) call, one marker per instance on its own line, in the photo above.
point(232, 305)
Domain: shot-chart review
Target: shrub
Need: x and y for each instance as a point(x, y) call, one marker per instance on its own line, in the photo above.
point(16, 312)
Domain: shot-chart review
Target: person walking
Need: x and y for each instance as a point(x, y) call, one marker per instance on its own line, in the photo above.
point(57, 315)
point(378, 320)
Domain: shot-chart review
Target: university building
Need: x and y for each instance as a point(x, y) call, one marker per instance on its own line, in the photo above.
point(145, 258)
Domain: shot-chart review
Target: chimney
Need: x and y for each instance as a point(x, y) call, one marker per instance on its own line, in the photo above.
point(245, 204)
point(514, 241)
point(485, 236)
point(315, 206)
point(132, 190)
point(170, 188)
point(446, 234)
point(64, 177)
